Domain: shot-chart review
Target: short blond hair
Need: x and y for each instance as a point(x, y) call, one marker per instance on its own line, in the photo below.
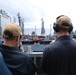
point(12, 30)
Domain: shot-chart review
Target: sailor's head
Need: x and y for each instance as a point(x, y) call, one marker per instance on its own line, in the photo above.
point(63, 22)
point(12, 30)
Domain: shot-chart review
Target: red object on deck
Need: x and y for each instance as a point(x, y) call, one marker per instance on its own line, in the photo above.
point(37, 39)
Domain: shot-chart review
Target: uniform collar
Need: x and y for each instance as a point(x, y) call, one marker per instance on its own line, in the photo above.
point(8, 47)
point(66, 37)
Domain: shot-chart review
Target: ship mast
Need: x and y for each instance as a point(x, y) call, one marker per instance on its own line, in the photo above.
point(42, 28)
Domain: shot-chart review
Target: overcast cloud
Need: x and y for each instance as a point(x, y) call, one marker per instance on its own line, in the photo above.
point(33, 10)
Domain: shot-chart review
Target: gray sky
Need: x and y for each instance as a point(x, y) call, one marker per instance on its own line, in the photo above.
point(33, 10)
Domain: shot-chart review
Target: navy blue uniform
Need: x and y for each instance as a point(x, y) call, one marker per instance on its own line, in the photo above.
point(19, 63)
point(3, 68)
point(59, 58)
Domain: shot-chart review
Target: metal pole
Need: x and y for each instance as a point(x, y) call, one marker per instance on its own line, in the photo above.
point(35, 30)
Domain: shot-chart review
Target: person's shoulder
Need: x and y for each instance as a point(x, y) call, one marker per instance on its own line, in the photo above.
point(51, 46)
point(24, 55)
point(26, 58)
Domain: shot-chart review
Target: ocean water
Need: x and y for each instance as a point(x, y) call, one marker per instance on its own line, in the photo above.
point(38, 31)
